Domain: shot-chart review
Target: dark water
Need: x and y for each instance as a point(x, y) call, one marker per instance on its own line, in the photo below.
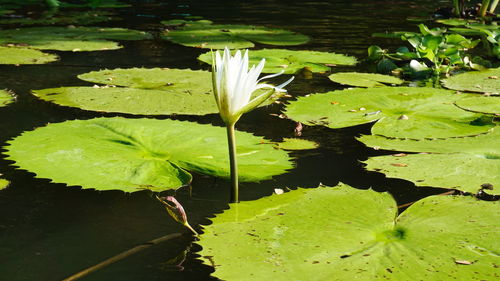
point(49, 231)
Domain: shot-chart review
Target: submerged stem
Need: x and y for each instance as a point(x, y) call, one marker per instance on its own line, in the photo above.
point(231, 140)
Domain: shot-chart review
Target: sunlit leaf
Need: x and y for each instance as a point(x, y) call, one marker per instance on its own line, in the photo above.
point(296, 144)
point(343, 233)
point(292, 61)
point(3, 183)
point(405, 112)
point(137, 154)
point(66, 18)
point(367, 80)
point(16, 55)
point(482, 104)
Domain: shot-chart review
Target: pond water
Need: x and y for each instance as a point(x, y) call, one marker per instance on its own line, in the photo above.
point(49, 231)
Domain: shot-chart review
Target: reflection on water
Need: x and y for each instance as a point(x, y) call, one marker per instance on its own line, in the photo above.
point(49, 231)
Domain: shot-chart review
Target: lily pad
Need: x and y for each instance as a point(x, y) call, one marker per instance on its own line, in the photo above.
point(179, 22)
point(367, 80)
point(14, 55)
point(70, 38)
point(481, 104)
point(296, 144)
point(487, 81)
point(3, 183)
point(292, 61)
point(5, 98)
point(80, 18)
point(153, 92)
point(483, 144)
point(438, 238)
point(404, 112)
point(219, 36)
point(174, 80)
point(136, 154)
point(465, 172)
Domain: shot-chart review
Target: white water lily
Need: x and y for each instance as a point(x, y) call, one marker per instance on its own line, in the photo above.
point(234, 85)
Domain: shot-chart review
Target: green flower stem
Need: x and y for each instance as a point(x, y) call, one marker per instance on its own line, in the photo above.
point(484, 8)
point(493, 6)
point(231, 140)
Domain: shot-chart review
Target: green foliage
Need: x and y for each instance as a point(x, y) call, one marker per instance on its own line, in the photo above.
point(367, 80)
point(137, 154)
point(296, 144)
point(204, 34)
point(433, 52)
point(481, 104)
point(3, 183)
point(13, 55)
point(404, 112)
point(66, 18)
point(292, 61)
point(5, 98)
point(341, 232)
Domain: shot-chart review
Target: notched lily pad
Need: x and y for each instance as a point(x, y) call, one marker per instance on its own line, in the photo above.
point(259, 240)
point(70, 38)
point(136, 154)
point(296, 144)
point(367, 80)
point(17, 55)
point(487, 81)
point(5, 98)
point(461, 171)
point(218, 36)
point(481, 104)
point(404, 112)
point(292, 61)
point(483, 144)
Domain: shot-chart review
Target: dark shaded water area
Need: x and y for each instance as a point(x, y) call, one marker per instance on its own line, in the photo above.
point(49, 231)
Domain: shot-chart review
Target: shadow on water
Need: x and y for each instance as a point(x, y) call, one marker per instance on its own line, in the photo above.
point(49, 231)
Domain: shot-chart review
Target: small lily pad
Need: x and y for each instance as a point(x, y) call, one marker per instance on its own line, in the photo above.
point(483, 144)
point(218, 36)
point(5, 98)
point(136, 154)
point(367, 80)
point(80, 18)
point(292, 61)
point(70, 38)
point(296, 144)
point(343, 232)
point(481, 104)
point(179, 22)
point(401, 112)
point(15, 55)
point(487, 81)
point(461, 171)
point(3, 183)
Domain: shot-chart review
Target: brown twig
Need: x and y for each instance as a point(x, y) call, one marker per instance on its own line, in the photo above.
point(122, 256)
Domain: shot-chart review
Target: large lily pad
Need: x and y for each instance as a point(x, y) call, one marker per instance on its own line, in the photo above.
point(292, 61)
point(487, 81)
point(481, 104)
point(404, 112)
point(137, 154)
point(13, 55)
point(219, 36)
point(174, 80)
point(5, 98)
point(465, 172)
point(483, 144)
point(70, 38)
point(156, 91)
point(342, 233)
point(367, 80)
